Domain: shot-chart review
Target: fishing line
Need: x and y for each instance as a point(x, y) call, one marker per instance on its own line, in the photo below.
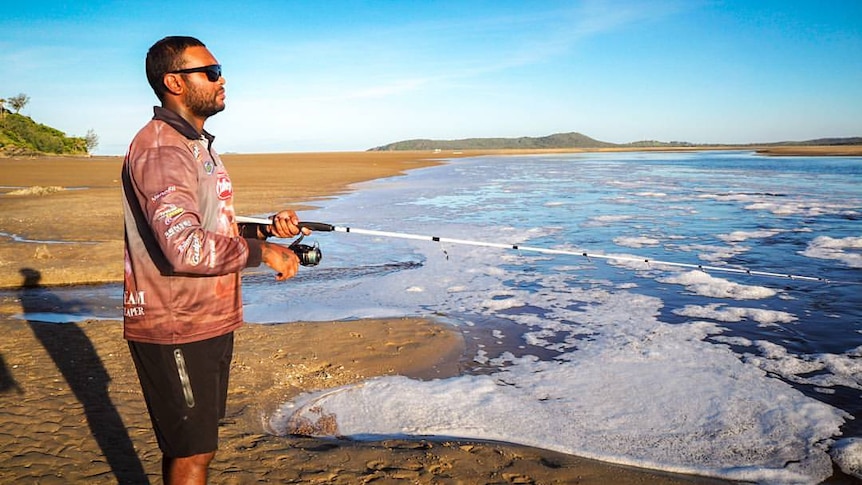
point(324, 227)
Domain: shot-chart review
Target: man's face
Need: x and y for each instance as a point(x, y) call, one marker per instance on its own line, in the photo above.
point(204, 98)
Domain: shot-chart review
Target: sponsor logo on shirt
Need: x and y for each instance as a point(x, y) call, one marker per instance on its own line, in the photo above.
point(212, 251)
point(224, 188)
point(169, 190)
point(193, 256)
point(134, 303)
point(191, 247)
point(168, 212)
point(197, 152)
point(173, 230)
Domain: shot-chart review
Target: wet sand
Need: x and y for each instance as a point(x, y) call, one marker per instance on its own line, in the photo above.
point(70, 405)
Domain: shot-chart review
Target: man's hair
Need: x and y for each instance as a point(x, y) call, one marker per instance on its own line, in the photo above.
point(165, 56)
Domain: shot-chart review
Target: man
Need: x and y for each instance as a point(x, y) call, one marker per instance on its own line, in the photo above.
point(184, 252)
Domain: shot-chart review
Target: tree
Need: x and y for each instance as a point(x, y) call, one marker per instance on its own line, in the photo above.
point(18, 102)
point(91, 140)
point(2, 107)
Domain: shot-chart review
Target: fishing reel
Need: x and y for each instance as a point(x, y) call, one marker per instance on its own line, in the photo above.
point(308, 255)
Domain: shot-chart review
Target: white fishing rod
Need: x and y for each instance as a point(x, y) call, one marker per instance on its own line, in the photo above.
point(324, 227)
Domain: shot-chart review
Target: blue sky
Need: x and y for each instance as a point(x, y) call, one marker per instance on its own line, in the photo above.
point(351, 75)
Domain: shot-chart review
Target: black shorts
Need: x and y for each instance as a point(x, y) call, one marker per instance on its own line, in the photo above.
point(185, 387)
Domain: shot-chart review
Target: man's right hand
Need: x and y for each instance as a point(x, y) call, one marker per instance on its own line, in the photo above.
point(284, 261)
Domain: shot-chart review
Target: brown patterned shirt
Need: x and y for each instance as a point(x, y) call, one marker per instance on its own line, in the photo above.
point(183, 249)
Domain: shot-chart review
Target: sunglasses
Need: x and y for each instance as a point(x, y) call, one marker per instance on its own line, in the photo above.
point(213, 71)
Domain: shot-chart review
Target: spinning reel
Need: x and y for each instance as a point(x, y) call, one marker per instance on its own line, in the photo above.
point(308, 255)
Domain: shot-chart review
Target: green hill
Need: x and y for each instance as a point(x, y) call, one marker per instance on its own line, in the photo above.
point(20, 135)
point(854, 140)
point(558, 140)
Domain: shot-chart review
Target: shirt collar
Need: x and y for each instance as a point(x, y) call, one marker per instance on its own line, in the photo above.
point(179, 123)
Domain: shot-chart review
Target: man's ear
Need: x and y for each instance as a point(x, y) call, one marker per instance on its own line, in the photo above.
point(173, 83)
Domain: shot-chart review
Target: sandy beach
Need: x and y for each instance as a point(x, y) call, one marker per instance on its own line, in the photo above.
point(70, 405)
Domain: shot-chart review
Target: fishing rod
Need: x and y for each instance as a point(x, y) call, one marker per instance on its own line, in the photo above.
point(314, 258)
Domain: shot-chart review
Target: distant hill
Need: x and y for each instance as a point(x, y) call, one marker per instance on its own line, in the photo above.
point(20, 135)
point(577, 140)
point(854, 140)
point(558, 140)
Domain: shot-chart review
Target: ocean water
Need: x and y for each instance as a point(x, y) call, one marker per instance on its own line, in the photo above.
point(725, 375)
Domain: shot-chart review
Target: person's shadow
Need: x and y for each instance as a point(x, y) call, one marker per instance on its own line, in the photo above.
point(7, 381)
point(76, 358)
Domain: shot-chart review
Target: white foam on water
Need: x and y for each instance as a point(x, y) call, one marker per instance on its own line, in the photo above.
point(848, 250)
point(636, 242)
point(800, 208)
point(606, 220)
point(848, 454)
point(739, 236)
point(637, 391)
point(824, 370)
point(625, 388)
point(704, 284)
point(722, 313)
point(651, 194)
point(714, 253)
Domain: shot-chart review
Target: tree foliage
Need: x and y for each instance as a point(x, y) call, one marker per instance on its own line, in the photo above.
point(91, 140)
point(21, 135)
point(18, 102)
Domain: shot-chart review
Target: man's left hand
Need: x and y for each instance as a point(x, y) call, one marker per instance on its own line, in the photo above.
point(285, 225)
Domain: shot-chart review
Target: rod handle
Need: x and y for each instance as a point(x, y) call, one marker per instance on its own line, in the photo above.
point(317, 226)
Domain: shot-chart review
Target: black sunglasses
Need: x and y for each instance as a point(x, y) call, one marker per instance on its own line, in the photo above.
point(213, 71)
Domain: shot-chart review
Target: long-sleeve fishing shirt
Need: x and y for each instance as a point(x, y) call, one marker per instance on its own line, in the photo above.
point(183, 249)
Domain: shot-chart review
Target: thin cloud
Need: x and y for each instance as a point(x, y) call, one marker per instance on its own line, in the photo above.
point(417, 61)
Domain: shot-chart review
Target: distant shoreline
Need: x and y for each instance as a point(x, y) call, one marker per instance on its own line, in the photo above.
point(782, 150)
point(813, 151)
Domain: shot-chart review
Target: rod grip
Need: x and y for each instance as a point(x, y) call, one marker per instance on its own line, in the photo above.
point(317, 226)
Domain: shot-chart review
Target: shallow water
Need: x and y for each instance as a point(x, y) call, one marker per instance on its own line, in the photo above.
point(735, 376)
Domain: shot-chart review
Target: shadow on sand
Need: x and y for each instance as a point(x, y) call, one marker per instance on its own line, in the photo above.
point(7, 381)
point(76, 358)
